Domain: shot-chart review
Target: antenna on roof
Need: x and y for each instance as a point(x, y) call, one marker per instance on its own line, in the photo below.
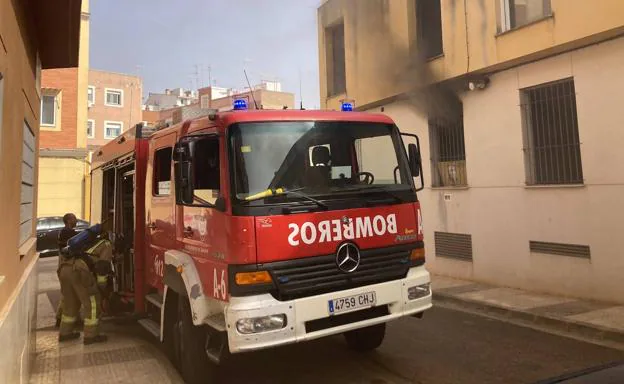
point(300, 92)
point(250, 90)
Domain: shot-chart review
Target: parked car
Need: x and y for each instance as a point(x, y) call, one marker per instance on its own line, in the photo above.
point(48, 229)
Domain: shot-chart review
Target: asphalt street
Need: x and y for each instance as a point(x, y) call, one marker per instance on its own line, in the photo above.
point(446, 346)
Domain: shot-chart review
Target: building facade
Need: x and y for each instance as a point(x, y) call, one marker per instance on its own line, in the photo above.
point(33, 36)
point(515, 106)
point(63, 143)
point(114, 105)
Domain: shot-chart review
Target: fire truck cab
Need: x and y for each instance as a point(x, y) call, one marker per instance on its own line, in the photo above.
point(244, 230)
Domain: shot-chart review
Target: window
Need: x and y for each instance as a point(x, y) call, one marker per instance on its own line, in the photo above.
point(112, 129)
point(206, 179)
point(26, 202)
point(48, 110)
point(162, 172)
point(335, 45)
point(91, 129)
point(91, 95)
point(429, 27)
point(448, 152)
point(384, 168)
point(114, 97)
point(552, 147)
point(516, 13)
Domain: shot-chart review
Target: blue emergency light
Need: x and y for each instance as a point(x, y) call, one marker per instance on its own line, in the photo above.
point(346, 107)
point(240, 105)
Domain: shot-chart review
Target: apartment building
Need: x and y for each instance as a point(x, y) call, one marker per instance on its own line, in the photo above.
point(515, 103)
point(114, 105)
point(34, 36)
point(172, 98)
point(267, 95)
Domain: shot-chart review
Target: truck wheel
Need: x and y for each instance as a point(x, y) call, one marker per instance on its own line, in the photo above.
point(190, 347)
point(366, 339)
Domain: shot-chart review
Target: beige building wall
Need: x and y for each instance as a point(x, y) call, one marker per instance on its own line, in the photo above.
point(503, 214)
point(26, 47)
point(62, 186)
point(497, 206)
point(380, 41)
point(128, 114)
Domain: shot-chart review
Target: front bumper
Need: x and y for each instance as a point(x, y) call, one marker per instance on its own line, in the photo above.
point(299, 312)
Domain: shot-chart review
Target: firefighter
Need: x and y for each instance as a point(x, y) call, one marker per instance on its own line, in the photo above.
point(101, 255)
point(79, 288)
point(70, 221)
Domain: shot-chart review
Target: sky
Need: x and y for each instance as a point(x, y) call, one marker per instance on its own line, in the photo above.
point(172, 43)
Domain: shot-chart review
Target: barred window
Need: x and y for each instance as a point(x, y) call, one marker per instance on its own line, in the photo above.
point(448, 152)
point(551, 138)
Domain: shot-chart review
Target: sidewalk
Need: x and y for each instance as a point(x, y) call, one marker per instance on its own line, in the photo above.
point(590, 319)
point(128, 356)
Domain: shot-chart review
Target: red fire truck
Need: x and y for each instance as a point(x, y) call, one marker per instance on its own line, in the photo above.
point(243, 230)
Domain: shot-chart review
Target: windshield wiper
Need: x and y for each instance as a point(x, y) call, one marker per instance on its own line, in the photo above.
point(283, 191)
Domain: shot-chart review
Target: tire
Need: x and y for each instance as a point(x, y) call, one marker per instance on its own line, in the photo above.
point(366, 339)
point(189, 344)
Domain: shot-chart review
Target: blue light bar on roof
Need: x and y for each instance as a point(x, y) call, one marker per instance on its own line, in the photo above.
point(347, 106)
point(240, 105)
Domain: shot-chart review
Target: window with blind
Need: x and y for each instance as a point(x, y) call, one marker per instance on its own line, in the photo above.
point(48, 110)
point(112, 129)
point(27, 188)
point(114, 97)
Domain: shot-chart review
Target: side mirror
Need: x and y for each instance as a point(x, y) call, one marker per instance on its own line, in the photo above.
point(182, 156)
point(414, 159)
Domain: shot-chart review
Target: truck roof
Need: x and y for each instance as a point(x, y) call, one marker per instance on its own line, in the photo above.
point(231, 117)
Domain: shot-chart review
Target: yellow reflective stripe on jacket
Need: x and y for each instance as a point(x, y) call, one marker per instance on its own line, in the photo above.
point(67, 319)
point(102, 279)
point(93, 320)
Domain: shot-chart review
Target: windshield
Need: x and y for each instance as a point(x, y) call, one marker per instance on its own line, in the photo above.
point(319, 158)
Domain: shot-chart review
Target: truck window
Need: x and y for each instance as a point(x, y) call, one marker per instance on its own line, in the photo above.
point(162, 171)
point(206, 167)
point(372, 156)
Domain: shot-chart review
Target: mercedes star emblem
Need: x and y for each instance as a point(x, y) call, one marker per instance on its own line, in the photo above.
point(348, 257)
point(345, 220)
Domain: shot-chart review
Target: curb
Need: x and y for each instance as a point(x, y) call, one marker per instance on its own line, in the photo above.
point(562, 324)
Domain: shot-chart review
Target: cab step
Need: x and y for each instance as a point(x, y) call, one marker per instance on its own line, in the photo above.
point(156, 299)
point(217, 322)
point(151, 326)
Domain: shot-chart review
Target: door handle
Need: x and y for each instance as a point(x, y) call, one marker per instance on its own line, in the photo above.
point(188, 232)
point(151, 226)
point(41, 235)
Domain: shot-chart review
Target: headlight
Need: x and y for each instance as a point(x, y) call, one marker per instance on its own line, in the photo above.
point(261, 324)
point(419, 291)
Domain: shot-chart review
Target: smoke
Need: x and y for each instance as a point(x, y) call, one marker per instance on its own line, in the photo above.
point(396, 64)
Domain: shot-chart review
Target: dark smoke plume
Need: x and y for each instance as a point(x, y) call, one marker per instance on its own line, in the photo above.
point(396, 65)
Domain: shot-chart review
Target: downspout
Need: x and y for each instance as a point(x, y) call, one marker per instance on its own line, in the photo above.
point(467, 41)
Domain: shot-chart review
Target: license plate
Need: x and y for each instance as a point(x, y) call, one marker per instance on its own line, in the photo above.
point(351, 303)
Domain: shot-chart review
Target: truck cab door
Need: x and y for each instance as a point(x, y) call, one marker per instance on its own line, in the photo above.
point(160, 213)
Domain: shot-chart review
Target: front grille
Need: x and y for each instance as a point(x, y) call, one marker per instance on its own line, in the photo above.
point(347, 318)
point(317, 275)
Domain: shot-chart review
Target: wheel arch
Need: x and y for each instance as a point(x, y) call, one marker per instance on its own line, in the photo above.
point(181, 277)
